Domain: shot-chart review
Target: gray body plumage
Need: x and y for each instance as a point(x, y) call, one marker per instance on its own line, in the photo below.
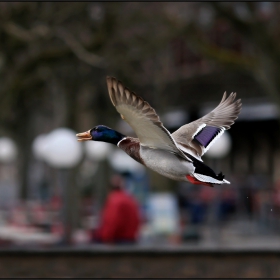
point(167, 164)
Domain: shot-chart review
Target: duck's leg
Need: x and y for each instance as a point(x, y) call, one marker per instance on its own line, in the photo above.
point(197, 182)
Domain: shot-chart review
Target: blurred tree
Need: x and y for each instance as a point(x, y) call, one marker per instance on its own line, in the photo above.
point(242, 36)
point(54, 58)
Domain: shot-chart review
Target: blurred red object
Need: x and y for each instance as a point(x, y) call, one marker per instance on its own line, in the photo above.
point(120, 219)
point(56, 202)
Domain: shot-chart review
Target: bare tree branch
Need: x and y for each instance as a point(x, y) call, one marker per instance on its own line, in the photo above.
point(255, 30)
point(231, 58)
point(16, 31)
point(78, 49)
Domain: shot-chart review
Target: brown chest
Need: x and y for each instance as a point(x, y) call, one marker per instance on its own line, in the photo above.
point(132, 147)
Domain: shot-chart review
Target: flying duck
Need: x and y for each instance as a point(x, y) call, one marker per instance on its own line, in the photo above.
point(177, 155)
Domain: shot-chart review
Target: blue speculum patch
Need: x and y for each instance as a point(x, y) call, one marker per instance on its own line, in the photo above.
point(207, 134)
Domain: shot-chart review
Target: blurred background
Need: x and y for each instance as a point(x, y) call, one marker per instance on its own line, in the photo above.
point(181, 58)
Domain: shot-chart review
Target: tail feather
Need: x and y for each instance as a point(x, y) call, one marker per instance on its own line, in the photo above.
point(219, 180)
point(220, 176)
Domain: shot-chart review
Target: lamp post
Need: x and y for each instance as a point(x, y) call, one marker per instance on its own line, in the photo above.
point(217, 151)
point(60, 150)
point(98, 152)
point(39, 145)
point(8, 154)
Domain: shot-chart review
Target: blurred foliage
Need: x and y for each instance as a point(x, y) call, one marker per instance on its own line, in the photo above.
point(54, 57)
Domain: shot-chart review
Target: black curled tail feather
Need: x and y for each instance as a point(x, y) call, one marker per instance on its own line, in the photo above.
point(202, 168)
point(220, 176)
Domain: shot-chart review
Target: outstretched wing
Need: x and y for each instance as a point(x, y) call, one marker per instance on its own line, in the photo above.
point(142, 118)
point(197, 137)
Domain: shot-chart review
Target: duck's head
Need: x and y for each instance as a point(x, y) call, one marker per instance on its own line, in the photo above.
point(101, 133)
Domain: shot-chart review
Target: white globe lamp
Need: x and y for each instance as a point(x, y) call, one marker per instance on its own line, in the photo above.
point(220, 147)
point(8, 150)
point(61, 149)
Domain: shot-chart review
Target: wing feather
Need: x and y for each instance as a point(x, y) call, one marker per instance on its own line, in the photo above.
point(142, 118)
point(223, 116)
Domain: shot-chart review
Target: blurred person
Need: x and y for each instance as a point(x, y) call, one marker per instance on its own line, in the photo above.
point(247, 196)
point(276, 198)
point(197, 209)
point(194, 201)
point(264, 209)
point(208, 197)
point(227, 206)
point(120, 217)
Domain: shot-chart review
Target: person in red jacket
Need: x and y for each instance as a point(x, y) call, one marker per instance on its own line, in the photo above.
point(120, 218)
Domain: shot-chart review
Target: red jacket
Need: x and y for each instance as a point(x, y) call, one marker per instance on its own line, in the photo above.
point(120, 219)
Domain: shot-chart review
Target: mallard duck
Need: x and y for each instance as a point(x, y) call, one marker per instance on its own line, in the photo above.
point(177, 155)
